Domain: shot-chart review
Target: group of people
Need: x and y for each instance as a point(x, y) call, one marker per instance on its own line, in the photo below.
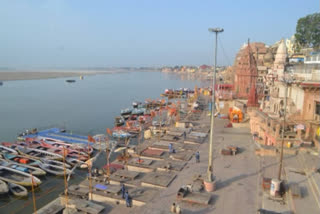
point(125, 195)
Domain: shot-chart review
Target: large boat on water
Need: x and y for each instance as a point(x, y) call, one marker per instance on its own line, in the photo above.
point(15, 176)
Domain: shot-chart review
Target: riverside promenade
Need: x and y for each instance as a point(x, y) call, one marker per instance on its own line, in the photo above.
point(238, 187)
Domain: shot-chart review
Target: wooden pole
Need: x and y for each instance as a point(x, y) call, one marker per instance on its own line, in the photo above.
point(33, 196)
point(65, 176)
point(89, 170)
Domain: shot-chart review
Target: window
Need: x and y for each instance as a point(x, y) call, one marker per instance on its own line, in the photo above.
point(318, 108)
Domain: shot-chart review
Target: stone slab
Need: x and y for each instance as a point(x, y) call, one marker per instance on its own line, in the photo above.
point(197, 198)
point(181, 156)
point(160, 180)
point(170, 165)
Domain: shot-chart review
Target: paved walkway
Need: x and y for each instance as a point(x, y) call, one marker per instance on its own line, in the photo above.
point(237, 177)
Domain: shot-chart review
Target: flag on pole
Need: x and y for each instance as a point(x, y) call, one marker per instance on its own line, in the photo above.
point(91, 139)
point(109, 131)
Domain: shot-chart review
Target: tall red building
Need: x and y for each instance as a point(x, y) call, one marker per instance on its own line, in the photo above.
point(246, 76)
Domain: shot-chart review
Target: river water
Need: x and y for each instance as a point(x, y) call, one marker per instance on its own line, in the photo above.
point(86, 107)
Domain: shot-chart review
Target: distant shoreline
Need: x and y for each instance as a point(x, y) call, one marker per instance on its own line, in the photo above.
point(36, 75)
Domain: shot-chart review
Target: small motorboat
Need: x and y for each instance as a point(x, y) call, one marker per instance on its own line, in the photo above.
point(70, 81)
point(3, 187)
point(1, 83)
point(121, 134)
point(55, 170)
point(119, 121)
point(138, 111)
point(18, 190)
point(136, 104)
point(22, 167)
point(126, 111)
point(15, 176)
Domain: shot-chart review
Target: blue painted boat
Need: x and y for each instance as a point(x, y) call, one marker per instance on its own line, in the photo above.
point(121, 134)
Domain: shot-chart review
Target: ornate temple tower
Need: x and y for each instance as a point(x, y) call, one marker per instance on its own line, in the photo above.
point(246, 73)
point(280, 59)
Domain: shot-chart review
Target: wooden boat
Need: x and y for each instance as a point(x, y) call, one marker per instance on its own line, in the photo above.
point(22, 167)
point(83, 150)
point(38, 153)
point(5, 149)
point(15, 176)
point(18, 190)
point(126, 111)
point(22, 159)
point(138, 111)
point(54, 163)
point(3, 187)
point(70, 81)
point(55, 170)
point(119, 121)
point(121, 134)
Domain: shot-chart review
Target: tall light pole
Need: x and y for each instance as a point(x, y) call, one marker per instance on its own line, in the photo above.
point(287, 82)
point(210, 164)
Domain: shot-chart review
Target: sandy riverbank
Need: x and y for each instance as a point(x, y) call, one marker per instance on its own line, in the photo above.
point(32, 75)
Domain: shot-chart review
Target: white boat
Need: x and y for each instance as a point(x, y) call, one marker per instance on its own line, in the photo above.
point(22, 167)
point(15, 176)
point(56, 170)
point(3, 187)
point(18, 190)
point(38, 153)
point(55, 163)
point(4, 149)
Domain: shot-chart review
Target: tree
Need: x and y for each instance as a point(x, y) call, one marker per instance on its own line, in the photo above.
point(308, 31)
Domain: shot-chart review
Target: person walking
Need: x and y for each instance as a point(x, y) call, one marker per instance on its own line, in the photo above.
point(184, 135)
point(123, 190)
point(197, 157)
point(127, 197)
point(170, 148)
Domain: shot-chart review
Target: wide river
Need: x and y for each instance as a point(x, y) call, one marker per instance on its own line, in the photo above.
point(86, 107)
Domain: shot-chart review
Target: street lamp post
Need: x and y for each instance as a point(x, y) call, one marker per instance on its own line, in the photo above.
point(287, 82)
point(210, 164)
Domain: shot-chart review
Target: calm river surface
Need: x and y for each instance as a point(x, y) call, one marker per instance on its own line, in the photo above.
point(86, 107)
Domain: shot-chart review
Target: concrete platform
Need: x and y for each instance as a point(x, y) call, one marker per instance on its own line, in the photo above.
point(195, 134)
point(197, 198)
point(197, 141)
point(117, 180)
point(158, 179)
point(140, 196)
point(153, 154)
point(170, 138)
point(54, 207)
point(181, 156)
point(81, 205)
point(170, 165)
point(141, 165)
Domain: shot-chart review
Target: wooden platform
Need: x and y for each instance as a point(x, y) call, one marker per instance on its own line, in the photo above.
point(157, 179)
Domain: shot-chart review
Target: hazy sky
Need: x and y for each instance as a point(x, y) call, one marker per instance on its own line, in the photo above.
point(86, 33)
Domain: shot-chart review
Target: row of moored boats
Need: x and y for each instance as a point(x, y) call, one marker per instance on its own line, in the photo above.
point(22, 162)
